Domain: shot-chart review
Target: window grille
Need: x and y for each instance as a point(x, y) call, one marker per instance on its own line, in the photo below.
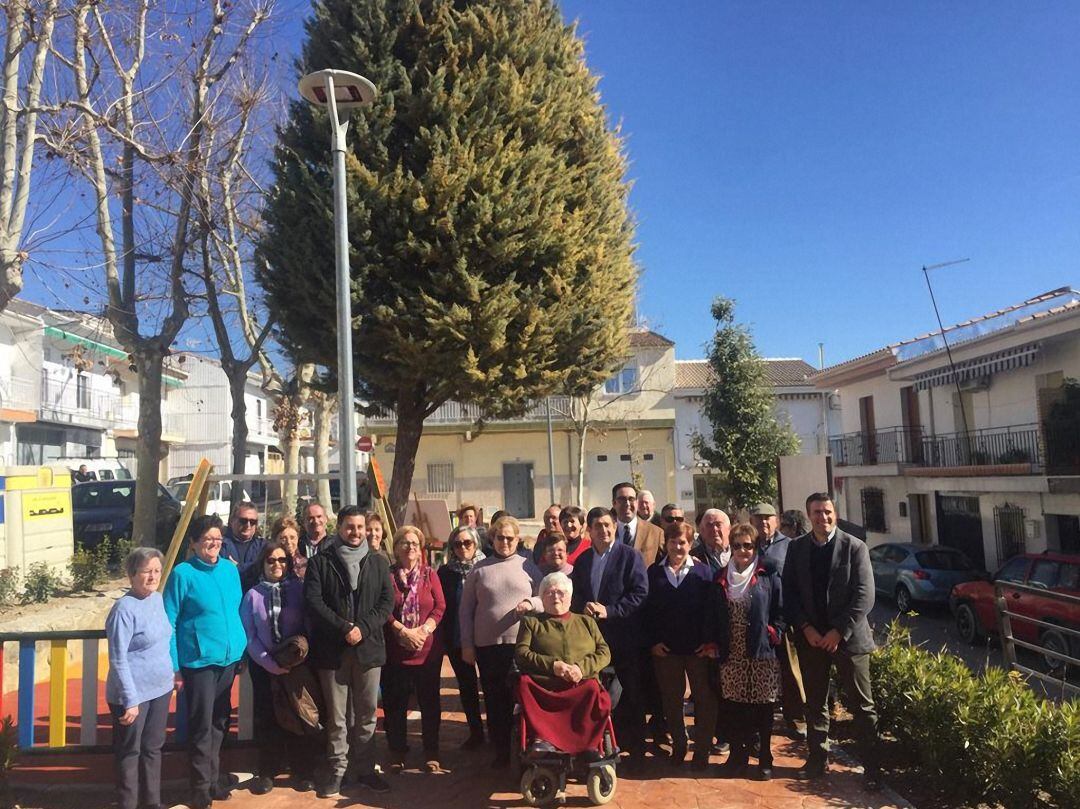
point(873, 510)
point(440, 478)
point(1009, 528)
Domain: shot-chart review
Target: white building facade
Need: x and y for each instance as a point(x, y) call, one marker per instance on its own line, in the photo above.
point(810, 413)
point(68, 392)
point(202, 412)
point(67, 389)
point(970, 453)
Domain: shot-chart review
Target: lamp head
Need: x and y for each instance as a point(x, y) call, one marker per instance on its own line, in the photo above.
point(351, 90)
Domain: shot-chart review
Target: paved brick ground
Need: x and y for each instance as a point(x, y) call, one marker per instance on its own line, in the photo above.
point(469, 783)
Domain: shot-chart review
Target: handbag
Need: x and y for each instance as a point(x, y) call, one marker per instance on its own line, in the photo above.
point(296, 695)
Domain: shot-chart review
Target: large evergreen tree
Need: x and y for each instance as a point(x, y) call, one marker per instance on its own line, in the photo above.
point(746, 438)
point(491, 244)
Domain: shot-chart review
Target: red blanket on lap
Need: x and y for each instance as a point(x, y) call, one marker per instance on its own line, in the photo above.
point(573, 720)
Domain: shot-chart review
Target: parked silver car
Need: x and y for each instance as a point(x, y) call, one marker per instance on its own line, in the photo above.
point(911, 573)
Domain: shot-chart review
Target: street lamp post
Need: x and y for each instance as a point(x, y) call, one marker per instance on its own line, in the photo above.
point(340, 92)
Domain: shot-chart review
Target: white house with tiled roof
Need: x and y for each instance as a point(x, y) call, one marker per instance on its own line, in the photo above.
point(810, 413)
point(965, 452)
point(505, 463)
point(68, 391)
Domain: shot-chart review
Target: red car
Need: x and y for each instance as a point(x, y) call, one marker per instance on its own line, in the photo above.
point(972, 602)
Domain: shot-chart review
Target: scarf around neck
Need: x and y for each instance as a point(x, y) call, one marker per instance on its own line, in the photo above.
point(464, 568)
point(409, 584)
point(739, 583)
point(274, 602)
point(352, 557)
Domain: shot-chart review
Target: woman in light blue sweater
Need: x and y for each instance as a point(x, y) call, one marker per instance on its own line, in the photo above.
point(140, 681)
point(202, 600)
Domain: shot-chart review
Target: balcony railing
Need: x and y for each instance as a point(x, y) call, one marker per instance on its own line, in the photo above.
point(989, 447)
point(66, 400)
point(896, 445)
point(1020, 444)
point(17, 393)
point(458, 413)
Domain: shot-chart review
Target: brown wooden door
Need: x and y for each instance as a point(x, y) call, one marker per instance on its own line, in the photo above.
point(912, 422)
point(868, 430)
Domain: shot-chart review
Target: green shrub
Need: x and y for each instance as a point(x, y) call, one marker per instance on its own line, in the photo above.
point(981, 738)
point(120, 550)
point(41, 584)
point(88, 568)
point(9, 586)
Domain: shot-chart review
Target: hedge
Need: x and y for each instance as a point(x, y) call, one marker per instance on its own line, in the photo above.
point(980, 737)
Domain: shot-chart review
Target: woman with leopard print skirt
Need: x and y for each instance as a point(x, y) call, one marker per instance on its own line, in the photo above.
point(750, 627)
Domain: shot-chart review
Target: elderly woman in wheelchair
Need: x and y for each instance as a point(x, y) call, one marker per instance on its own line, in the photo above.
point(564, 728)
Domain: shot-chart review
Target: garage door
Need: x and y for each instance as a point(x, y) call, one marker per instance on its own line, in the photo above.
point(604, 469)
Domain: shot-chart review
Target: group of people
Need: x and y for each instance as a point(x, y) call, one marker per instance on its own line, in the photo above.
point(751, 615)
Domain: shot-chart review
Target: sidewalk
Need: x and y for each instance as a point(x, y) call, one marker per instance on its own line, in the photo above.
point(470, 783)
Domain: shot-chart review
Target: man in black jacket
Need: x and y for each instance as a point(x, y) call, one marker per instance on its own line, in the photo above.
point(349, 598)
point(828, 592)
point(315, 539)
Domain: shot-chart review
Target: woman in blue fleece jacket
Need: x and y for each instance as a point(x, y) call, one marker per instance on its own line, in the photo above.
point(202, 600)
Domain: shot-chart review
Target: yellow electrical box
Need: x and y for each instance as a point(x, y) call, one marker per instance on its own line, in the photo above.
point(35, 517)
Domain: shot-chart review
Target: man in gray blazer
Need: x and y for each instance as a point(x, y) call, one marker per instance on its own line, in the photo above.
point(828, 592)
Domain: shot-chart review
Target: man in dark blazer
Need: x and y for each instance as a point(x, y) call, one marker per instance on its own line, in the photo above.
point(610, 584)
point(828, 592)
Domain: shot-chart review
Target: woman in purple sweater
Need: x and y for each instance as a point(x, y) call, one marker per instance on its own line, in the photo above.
point(273, 612)
point(413, 650)
point(495, 596)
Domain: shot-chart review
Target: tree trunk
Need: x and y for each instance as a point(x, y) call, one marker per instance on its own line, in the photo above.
point(291, 451)
point(237, 384)
point(325, 409)
point(148, 363)
point(581, 465)
point(582, 429)
point(410, 426)
point(11, 282)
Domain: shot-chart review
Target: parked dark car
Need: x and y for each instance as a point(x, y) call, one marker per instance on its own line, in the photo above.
point(910, 573)
point(105, 508)
point(972, 603)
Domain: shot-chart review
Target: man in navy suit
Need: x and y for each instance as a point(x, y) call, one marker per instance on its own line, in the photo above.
point(610, 584)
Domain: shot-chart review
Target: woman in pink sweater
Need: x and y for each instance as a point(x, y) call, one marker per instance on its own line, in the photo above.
point(413, 650)
point(495, 596)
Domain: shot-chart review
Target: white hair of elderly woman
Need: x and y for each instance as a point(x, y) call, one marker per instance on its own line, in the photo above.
point(557, 579)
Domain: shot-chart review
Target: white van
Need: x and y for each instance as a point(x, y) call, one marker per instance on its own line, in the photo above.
point(218, 501)
point(99, 468)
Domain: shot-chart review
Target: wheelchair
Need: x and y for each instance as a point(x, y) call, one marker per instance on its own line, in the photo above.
point(545, 770)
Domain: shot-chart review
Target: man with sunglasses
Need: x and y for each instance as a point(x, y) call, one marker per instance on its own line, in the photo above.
point(242, 543)
point(642, 536)
point(671, 514)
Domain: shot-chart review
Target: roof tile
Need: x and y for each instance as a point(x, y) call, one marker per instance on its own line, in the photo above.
point(780, 373)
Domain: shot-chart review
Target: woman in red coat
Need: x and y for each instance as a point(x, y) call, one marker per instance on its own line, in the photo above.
point(413, 650)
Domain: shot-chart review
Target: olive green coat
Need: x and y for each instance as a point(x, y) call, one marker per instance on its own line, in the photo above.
point(545, 639)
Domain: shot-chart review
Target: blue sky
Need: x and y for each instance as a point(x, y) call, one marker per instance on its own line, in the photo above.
point(807, 159)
